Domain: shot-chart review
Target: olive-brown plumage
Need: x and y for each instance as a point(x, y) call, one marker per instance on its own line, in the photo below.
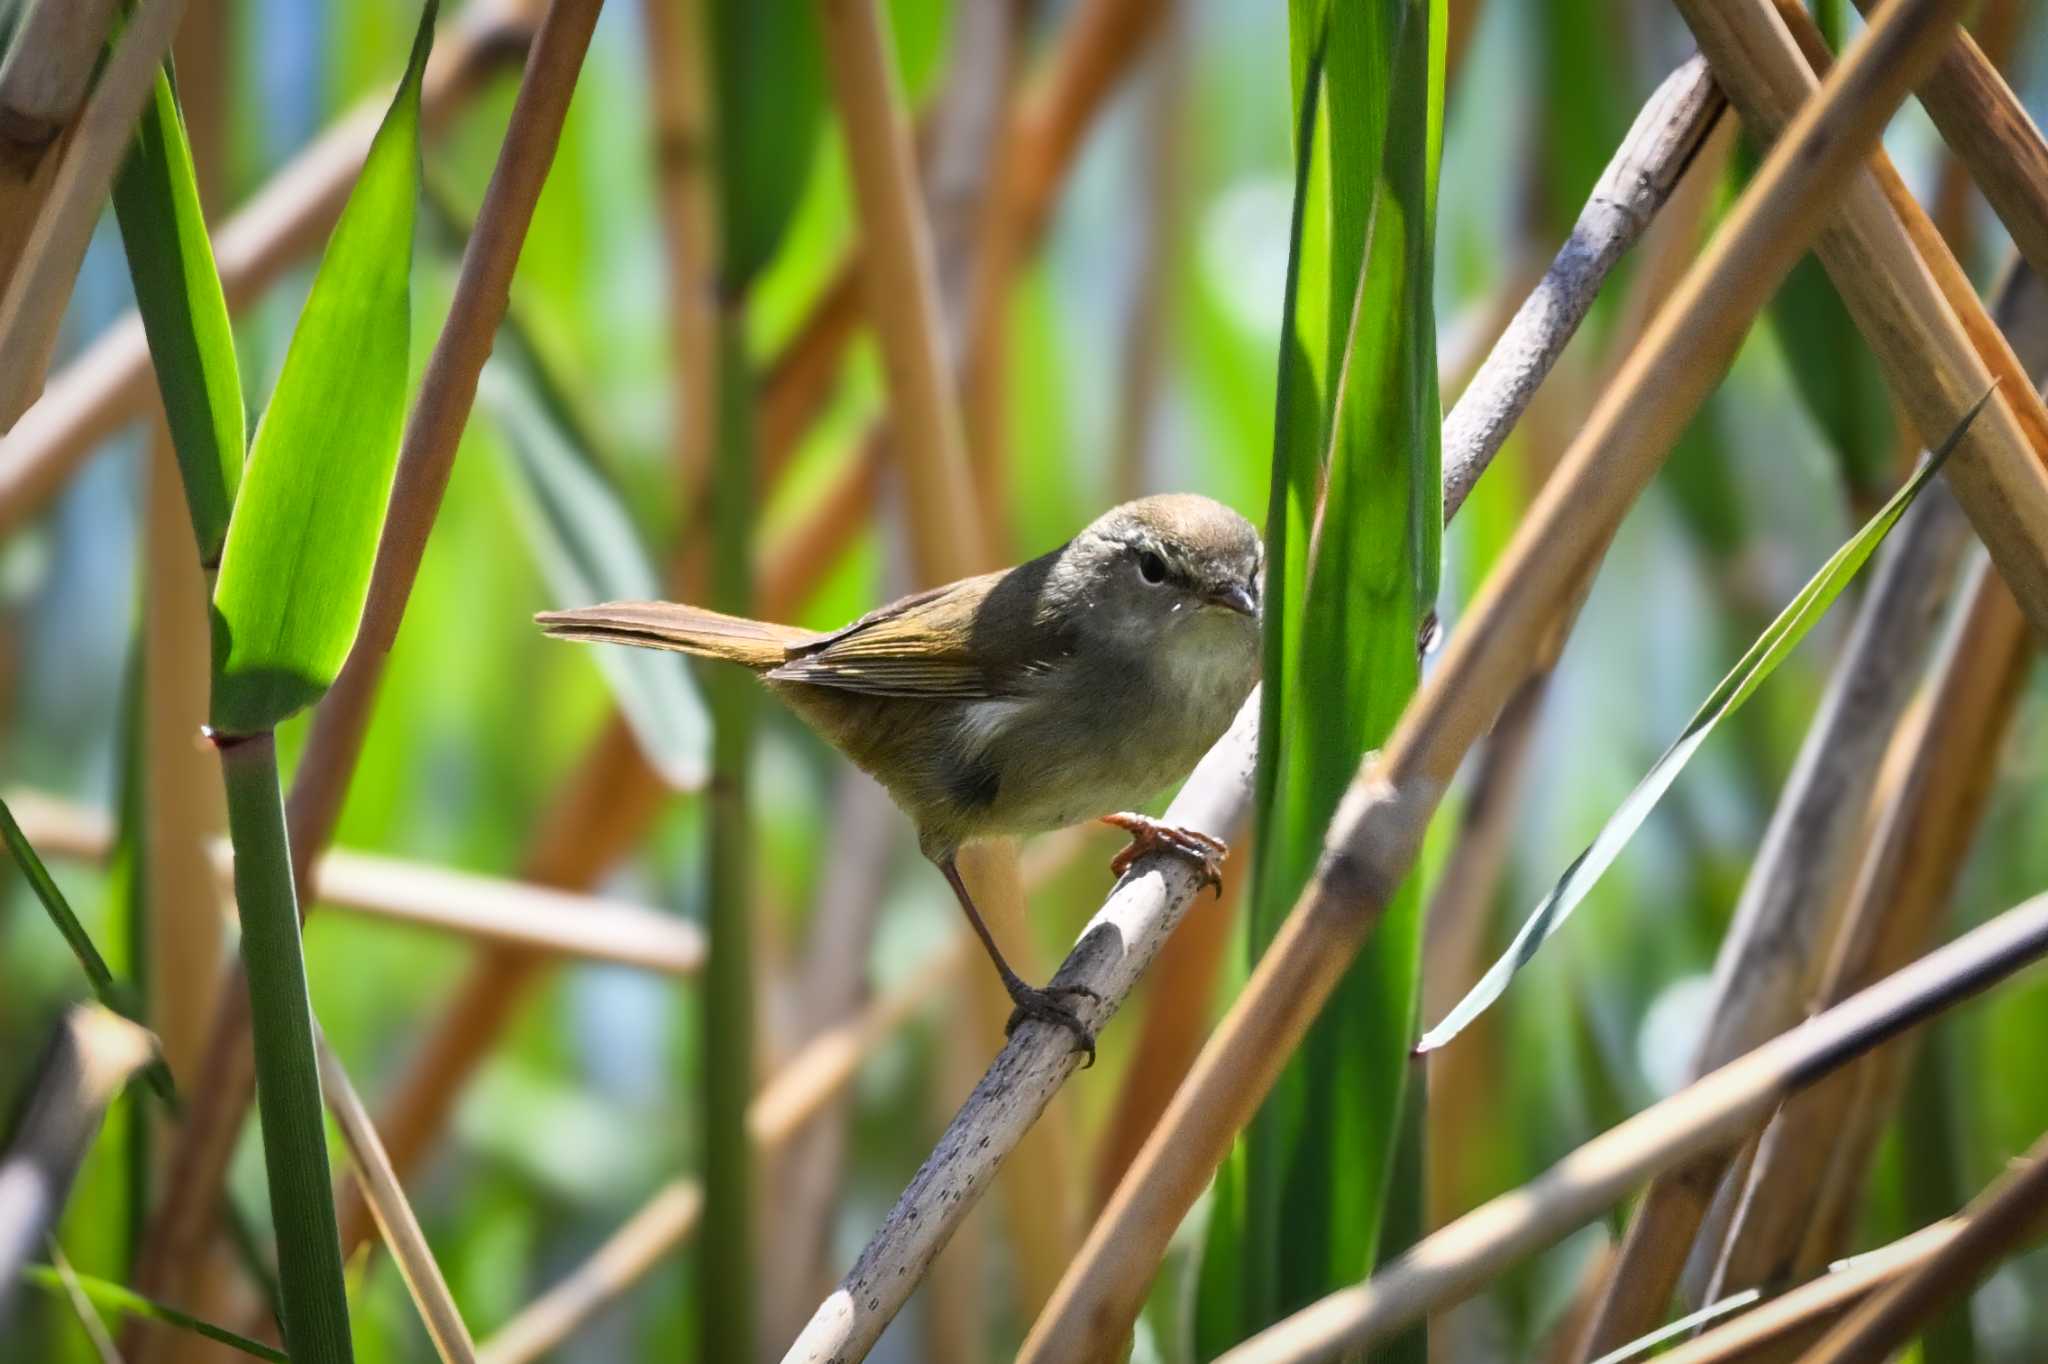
point(1068, 688)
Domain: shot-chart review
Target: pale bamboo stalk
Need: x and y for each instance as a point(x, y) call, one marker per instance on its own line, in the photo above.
point(801, 1090)
point(1672, 125)
point(2000, 1222)
point(493, 909)
point(395, 1220)
point(110, 384)
point(1782, 1224)
point(426, 454)
point(1785, 1322)
point(90, 1057)
point(32, 305)
point(1920, 322)
point(1989, 130)
point(43, 81)
point(1379, 825)
point(1461, 1258)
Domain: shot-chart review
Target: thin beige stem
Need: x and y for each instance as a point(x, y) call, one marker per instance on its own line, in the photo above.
point(2001, 1222)
point(395, 1220)
point(514, 914)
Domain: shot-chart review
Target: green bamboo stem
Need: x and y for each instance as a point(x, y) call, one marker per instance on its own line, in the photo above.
point(287, 1075)
point(725, 1269)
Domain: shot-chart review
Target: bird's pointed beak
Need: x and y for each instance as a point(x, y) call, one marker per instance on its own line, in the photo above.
point(1236, 597)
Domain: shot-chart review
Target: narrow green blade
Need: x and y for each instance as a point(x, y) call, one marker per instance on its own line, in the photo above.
point(113, 1297)
point(588, 551)
point(296, 568)
point(177, 291)
point(769, 92)
point(1771, 647)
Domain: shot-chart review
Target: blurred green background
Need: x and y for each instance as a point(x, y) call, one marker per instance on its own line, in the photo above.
point(580, 1114)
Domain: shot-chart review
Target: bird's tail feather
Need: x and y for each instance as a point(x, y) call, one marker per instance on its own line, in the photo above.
point(754, 644)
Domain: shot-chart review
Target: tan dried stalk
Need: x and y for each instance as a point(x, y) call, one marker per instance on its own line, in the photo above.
point(2000, 1222)
point(395, 1220)
point(1988, 129)
point(1911, 302)
point(1714, 1110)
point(1379, 826)
point(491, 909)
point(1781, 1326)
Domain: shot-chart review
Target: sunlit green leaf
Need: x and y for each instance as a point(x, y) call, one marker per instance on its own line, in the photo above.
point(1769, 650)
point(177, 291)
point(770, 96)
point(296, 568)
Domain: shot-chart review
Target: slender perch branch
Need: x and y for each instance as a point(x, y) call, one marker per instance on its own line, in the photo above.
point(1142, 912)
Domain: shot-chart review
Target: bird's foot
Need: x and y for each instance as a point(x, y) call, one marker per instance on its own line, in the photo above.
point(1149, 835)
point(1044, 1005)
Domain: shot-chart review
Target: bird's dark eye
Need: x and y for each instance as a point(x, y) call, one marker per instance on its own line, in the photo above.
point(1151, 568)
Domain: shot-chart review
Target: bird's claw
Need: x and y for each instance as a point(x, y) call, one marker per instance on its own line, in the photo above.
point(1043, 1005)
point(1149, 835)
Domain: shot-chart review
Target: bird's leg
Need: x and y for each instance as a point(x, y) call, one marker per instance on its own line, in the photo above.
point(1031, 1001)
point(1149, 835)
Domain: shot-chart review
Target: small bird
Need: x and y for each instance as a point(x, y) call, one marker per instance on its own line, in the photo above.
point(1068, 688)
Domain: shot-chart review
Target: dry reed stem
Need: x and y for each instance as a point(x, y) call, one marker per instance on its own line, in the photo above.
point(1808, 858)
point(43, 81)
point(1917, 313)
point(521, 914)
point(800, 1091)
point(395, 1220)
point(110, 384)
point(183, 808)
point(32, 304)
point(426, 454)
point(91, 1055)
point(1716, 1109)
point(1379, 826)
point(1814, 1155)
point(1999, 1223)
point(1988, 129)
point(1784, 1324)
point(900, 284)
point(1659, 146)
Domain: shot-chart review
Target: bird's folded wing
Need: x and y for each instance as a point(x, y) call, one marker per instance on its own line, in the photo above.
point(921, 646)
